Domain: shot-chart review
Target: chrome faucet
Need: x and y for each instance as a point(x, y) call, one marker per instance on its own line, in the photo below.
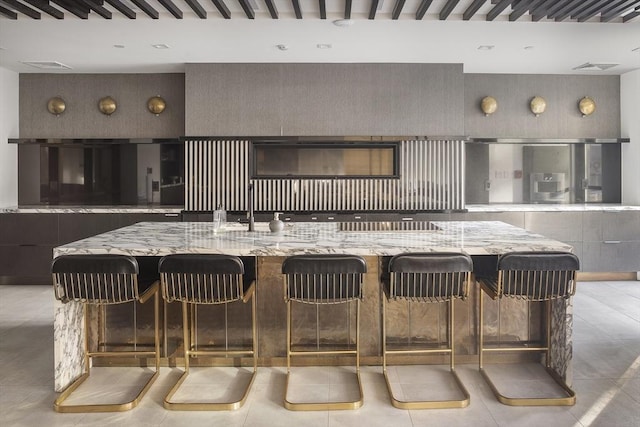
point(250, 211)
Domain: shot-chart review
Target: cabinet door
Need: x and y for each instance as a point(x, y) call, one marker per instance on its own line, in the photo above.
point(612, 256)
point(76, 226)
point(563, 226)
point(27, 228)
point(132, 218)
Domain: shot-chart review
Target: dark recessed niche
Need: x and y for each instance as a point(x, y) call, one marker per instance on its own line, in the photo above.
point(329, 160)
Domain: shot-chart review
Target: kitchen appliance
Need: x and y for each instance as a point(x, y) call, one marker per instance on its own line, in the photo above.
point(548, 188)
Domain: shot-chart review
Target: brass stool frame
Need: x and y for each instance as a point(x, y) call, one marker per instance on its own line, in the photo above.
point(427, 278)
point(99, 288)
point(532, 283)
point(321, 280)
point(217, 284)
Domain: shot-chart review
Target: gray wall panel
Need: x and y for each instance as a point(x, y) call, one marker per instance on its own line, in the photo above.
point(324, 99)
point(562, 119)
point(82, 119)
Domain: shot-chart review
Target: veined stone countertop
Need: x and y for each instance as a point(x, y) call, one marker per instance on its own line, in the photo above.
point(91, 209)
point(159, 239)
point(588, 207)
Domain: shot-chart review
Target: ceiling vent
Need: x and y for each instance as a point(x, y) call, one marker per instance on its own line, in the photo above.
point(589, 66)
point(47, 65)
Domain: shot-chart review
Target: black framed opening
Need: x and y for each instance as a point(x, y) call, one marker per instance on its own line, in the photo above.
point(325, 160)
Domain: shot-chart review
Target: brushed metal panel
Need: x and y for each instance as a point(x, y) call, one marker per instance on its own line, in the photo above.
point(623, 226)
point(82, 119)
point(563, 226)
point(611, 257)
point(561, 118)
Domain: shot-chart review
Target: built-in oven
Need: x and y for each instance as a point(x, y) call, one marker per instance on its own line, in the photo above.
point(548, 188)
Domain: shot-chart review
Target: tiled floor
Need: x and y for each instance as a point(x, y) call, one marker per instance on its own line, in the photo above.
point(606, 377)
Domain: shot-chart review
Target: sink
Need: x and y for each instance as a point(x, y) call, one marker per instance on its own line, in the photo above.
point(387, 226)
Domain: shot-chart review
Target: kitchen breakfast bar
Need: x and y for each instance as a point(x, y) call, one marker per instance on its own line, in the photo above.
point(263, 253)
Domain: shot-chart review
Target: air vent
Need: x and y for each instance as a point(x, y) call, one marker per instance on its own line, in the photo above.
point(589, 66)
point(47, 65)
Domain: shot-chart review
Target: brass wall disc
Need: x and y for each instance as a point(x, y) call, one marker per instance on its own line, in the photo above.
point(56, 105)
point(107, 105)
point(488, 105)
point(156, 105)
point(538, 105)
point(587, 106)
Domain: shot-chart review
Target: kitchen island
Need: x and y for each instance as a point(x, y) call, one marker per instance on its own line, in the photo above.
point(483, 240)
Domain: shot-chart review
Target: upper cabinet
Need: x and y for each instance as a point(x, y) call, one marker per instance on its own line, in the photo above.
point(324, 99)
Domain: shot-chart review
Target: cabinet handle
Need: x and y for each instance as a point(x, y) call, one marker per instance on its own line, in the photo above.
point(330, 218)
point(611, 242)
point(171, 214)
point(314, 218)
point(357, 217)
point(407, 219)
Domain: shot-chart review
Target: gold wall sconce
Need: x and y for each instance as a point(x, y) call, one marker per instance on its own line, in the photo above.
point(107, 105)
point(538, 105)
point(56, 105)
point(488, 105)
point(587, 106)
point(156, 105)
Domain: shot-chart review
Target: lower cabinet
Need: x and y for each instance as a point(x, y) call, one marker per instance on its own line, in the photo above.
point(27, 240)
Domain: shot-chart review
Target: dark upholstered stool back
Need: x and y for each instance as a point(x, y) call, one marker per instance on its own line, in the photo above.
point(95, 279)
point(428, 277)
point(537, 276)
point(202, 278)
point(323, 279)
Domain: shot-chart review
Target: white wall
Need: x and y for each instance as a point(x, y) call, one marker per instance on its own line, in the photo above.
point(8, 129)
point(630, 127)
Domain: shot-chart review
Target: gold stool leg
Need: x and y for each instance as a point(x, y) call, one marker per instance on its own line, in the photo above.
point(189, 334)
point(116, 407)
point(323, 406)
point(568, 400)
point(424, 404)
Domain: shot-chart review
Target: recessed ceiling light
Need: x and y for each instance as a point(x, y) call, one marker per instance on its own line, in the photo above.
point(47, 65)
point(636, 49)
point(343, 22)
point(282, 46)
point(324, 46)
point(160, 46)
point(486, 47)
point(529, 47)
point(118, 46)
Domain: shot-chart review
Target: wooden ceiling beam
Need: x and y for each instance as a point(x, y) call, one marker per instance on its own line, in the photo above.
point(347, 9)
point(499, 7)
point(322, 5)
point(120, 7)
point(273, 11)
point(373, 9)
point(46, 8)
point(616, 10)
point(19, 7)
point(97, 8)
point(8, 13)
point(146, 8)
point(197, 8)
point(296, 8)
point(172, 8)
point(397, 9)
point(472, 9)
point(422, 9)
point(222, 8)
point(72, 9)
point(448, 8)
point(248, 10)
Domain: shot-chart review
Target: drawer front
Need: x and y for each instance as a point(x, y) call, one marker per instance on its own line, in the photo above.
point(613, 256)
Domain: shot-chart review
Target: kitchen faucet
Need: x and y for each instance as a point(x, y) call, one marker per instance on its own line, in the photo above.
point(250, 211)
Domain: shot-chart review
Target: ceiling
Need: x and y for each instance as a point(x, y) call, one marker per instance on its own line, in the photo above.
point(487, 36)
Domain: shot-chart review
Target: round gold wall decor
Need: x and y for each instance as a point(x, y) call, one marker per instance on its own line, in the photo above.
point(56, 105)
point(156, 105)
point(107, 105)
point(538, 105)
point(488, 105)
point(587, 106)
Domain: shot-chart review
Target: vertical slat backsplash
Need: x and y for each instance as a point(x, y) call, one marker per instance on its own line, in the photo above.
point(431, 178)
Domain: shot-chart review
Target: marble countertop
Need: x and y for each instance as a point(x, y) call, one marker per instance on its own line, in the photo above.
point(161, 238)
point(590, 207)
point(92, 209)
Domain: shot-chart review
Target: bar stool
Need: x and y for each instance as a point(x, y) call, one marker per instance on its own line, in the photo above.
point(320, 280)
point(101, 280)
point(426, 278)
point(196, 279)
point(531, 277)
